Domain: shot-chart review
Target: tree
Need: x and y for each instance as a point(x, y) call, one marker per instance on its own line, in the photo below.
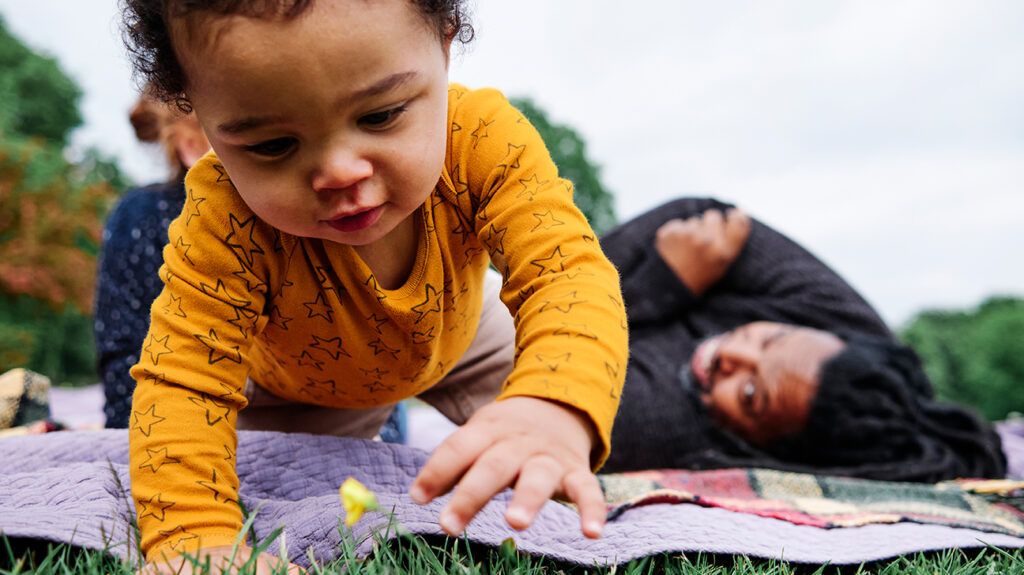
point(975, 356)
point(569, 151)
point(37, 99)
point(51, 215)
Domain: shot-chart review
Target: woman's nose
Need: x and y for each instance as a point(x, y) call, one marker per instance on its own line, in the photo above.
point(341, 169)
point(737, 355)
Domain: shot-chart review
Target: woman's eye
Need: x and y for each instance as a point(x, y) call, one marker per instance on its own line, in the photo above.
point(382, 119)
point(272, 148)
point(747, 394)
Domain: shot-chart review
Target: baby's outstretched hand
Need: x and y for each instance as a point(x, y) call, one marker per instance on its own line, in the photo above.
point(540, 445)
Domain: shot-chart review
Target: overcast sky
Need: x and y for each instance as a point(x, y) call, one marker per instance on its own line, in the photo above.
point(885, 135)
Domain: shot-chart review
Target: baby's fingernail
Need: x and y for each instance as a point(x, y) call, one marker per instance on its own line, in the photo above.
point(516, 517)
point(593, 529)
point(450, 523)
point(418, 494)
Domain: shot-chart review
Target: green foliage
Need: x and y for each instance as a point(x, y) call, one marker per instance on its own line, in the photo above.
point(37, 99)
point(569, 151)
point(56, 343)
point(975, 357)
point(51, 215)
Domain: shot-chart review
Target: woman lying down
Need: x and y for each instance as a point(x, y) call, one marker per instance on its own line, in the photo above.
point(747, 351)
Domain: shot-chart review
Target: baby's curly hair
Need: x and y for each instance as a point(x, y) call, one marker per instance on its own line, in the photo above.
point(147, 35)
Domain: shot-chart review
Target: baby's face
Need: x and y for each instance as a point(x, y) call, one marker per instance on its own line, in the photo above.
point(332, 125)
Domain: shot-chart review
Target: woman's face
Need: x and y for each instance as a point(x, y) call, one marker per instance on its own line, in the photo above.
point(760, 379)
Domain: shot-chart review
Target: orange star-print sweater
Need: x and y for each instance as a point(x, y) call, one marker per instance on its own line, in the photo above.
point(306, 319)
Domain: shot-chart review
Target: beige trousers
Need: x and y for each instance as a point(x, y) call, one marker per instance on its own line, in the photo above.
point(474, 382)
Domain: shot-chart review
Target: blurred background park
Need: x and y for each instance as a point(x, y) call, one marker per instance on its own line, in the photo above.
point(888, 137)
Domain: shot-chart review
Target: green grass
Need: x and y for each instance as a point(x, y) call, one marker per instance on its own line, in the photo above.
point(418, 555)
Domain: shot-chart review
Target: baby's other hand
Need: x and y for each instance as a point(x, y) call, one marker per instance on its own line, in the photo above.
point(701, 248)
point(222, 560)
point(542, 446)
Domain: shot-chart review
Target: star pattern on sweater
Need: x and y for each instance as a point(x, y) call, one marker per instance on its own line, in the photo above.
point(245, 320)
point(174, 305)
point(319, 308)
point(278, 319)
point(480, 132)
point(157, 458)
point(192, 206)
point(145, 420)
point(574, 330)
point(371, 282)
point(511, 159)
point(379, 346)
point(328, 284)
point(183, 249)
point(563, 303)
point(304, 359)
point(155, 378)
point(157, 347)
point(220, 291)
point(178, 536)
point(213, 486)
point(431, 303)
point(242, 239)
point(154, 507)
point(422, 337)
point(553, 264)
point(215, 411)
point(531, 187)
point(331, 346)
point(553, 362)
point(612, 369)
point(494, 239)
point(217, 350)
point(546, 221)
point(377, 322)
point(319, 388)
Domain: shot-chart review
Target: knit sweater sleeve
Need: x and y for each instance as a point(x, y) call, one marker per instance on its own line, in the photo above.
point(787, 283)
point(564, 294)
point(191, 371)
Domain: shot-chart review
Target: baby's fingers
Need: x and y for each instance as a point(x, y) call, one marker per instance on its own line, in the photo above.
point(493, 472)
point(540, 477)
point(447, 464)
point(581, 487)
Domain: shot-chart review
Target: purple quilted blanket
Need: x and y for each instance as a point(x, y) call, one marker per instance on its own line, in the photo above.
point(73, 487)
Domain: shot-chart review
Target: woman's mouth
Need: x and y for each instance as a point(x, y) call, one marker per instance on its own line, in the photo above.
point(702, 360)
point(356, 221)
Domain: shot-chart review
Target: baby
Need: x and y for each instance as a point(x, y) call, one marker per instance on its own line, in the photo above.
point(330, 261)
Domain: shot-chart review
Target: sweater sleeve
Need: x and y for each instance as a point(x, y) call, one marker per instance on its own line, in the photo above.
point(564, 294)
point(791, 285)
point(191, 372)
point(653, 293)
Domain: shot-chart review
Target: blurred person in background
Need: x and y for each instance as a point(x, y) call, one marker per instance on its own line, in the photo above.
point(747, 351)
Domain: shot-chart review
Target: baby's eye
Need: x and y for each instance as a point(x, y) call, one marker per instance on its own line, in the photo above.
point(383, 119)
point(272, 148)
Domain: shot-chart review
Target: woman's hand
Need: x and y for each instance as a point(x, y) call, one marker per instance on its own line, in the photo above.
point(700, 249)
point(541, 446)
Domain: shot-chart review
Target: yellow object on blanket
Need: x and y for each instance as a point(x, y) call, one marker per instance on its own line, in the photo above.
point(356, 499)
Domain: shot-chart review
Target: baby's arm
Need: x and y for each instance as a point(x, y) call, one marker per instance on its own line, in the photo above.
point(191, 372)
point(552, 423)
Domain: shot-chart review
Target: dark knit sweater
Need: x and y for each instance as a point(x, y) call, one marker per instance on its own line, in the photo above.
point(661, 422)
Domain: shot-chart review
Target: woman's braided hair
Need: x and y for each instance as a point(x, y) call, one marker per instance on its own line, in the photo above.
point(147, 35)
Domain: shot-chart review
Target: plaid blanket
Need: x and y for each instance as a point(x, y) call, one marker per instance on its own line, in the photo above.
point(826, 502)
